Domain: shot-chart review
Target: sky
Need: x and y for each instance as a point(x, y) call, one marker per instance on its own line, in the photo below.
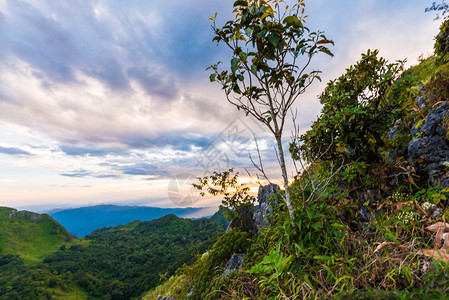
point(109, 101)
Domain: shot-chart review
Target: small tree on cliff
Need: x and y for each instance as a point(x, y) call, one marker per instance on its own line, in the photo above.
point(272, 50)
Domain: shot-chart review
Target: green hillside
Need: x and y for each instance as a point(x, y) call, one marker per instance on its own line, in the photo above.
point(41, 260)
point(30, 235)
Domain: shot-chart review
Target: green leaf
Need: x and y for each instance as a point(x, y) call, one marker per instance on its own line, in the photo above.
point(322, 257)
point(274, 39)
point(248, 31)
point(212, 77)
point(326, 50)
point(240, 3)
point(234, 64)
point(236, 88)
point(293, 21)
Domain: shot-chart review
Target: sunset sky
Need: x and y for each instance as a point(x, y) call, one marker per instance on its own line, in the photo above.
point(109, 101)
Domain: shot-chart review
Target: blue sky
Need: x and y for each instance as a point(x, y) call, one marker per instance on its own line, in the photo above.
point(109, 101)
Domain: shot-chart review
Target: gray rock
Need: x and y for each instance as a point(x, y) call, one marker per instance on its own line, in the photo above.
point(433, 210)
point(159, 297)
point(265, 199)
point(430, 151)
point(421, 101)
point(30, 216)
point(234, 264)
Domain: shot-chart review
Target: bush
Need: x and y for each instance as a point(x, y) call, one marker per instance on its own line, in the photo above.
point(358, 110)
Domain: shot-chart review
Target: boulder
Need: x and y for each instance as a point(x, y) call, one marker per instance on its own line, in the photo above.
point(234, 263)
point(429, 150)
point(265, 200)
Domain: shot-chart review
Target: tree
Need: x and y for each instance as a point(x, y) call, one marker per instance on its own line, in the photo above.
point(442, 8)
point(237, 204)
point(358, 110)
point(271, 53)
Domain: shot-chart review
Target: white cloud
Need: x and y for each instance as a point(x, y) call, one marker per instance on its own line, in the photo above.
point(121, 88)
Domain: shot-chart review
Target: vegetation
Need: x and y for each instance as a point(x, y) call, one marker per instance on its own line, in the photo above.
point(268, 42)
point(112, 263)
point(361, 226)
point(31, 235)
point(358, 110)
point(237, 204)
point(357, 223)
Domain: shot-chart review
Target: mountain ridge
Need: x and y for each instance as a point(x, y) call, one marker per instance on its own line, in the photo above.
point(83, 221)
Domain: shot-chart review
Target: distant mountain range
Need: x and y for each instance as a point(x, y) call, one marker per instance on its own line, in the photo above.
point(84, 220)
point(40, 259)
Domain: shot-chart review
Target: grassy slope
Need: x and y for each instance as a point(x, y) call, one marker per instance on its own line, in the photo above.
point(422, 73)
point(31, 239)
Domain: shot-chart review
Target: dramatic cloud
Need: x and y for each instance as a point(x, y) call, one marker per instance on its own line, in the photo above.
point(107, 94)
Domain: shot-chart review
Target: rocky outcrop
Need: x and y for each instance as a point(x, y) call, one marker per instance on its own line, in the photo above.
point(429, 150)
point(165, 297)
point(265, 199)
point(30, 216)
point(234, 263)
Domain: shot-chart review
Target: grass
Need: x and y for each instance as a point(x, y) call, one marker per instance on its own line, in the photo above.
point(423, 71)
point(76, 293)
point(171, 287)
point(32, 239)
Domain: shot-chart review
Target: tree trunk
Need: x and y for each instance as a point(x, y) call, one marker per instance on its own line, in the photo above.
point(285, 176)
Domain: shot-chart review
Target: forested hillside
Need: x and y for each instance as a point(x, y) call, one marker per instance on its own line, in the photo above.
point(113, 263)
point(30, 235)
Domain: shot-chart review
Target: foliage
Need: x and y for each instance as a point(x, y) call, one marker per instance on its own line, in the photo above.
point(266, 74)
point(437, 87)
point(117, 263)
point(358, 110)
point(220, 219)
point(30, 235)
point(423, 71)
point(211, 263)
point(442, 8)
point(330, 252)
point(173, 286)
point(441, 46)
point(237, 204)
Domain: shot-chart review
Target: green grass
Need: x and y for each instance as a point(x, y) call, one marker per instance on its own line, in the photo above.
point(75, 293)
point(171, 287)
point(30, 238)
point(423, 71)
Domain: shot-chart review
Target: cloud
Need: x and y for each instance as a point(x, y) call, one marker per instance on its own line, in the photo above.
point(81, 151)
point(183, 141)
point(86, 173)
point(13, 151)
point(142, 169)
point(77, 174)
point(155, 83)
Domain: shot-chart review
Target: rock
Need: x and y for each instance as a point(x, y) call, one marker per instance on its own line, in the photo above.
point(30, 216)
point(433, 210)
point(421, 101)
point(159, 297)
point(234, 263)
point(364, 214)
point(429, 151)
point(263, 196)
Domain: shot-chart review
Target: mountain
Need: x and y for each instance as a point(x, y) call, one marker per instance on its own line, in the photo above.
point(118, 262)
point(30, 235)
point(84, 220)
